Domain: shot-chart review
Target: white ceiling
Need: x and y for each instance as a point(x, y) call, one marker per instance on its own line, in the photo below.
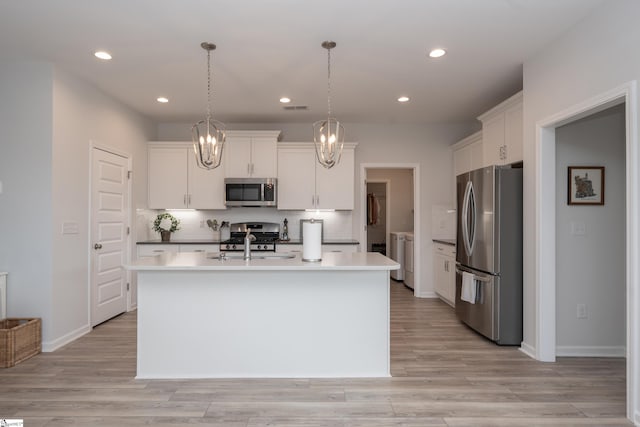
point(271, 48)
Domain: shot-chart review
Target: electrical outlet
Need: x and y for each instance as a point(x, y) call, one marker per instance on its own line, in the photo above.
point(581, 311)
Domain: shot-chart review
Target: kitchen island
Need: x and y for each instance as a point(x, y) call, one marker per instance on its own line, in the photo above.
point(200, 316)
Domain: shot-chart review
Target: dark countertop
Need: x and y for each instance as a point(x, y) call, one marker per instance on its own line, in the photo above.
point(451, 242)
point(216, 242)
point(324, 242)
point(180, 242)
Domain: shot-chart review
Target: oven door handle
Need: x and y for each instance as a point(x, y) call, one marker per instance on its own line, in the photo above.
point(484, 279)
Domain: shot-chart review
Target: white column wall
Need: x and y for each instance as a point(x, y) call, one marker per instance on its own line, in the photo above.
point(594, 57)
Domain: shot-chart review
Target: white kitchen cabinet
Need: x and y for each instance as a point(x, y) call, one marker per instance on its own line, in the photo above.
point(305, 184)
point(444, 272)
point(502, 132)
point(157, 249)
point(340, 248)
point(200, 248)
point(153, 250)
point(176, 182)
point(325, 248)
point(468, 154)
point(251, 154)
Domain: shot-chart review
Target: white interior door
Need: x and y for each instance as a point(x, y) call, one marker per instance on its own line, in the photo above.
point(109, 234)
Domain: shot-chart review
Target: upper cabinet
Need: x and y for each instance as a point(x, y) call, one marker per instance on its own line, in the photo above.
point(305, 184)
point(467, 154)
point(176, 182)
point(502, 132)
point(251, 154)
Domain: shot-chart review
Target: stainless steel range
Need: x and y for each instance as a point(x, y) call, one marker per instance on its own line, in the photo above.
point(266, 234)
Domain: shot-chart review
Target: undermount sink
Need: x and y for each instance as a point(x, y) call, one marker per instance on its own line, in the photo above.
point(260, 255)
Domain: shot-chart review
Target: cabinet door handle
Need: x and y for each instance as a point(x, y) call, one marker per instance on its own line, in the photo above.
point(248, 168)
point(317, 200)
point(313, 200)
point(189, 198)
point(97, 246)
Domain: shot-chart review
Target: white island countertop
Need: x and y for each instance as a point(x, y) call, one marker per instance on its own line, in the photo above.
point(201, 261)
point(275, 317)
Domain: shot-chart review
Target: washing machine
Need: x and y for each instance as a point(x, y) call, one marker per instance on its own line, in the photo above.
point(408, 259)
point(397, 253)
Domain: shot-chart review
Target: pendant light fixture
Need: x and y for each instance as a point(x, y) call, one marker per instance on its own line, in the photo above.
point(208, 135)
point(328, 135)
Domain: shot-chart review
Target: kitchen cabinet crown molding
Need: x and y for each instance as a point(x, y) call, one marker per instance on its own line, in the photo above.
point(500, 108)
point(473, 138)
point(310, 144)
point(275, 134)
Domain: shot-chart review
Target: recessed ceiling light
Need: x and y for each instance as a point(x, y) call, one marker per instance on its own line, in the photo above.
point(403, 99)
point(163, 100)
point(103, 55)
point(437, 53)
point(285, 100)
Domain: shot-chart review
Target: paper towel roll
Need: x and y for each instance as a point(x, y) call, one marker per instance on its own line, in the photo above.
point(311, 241)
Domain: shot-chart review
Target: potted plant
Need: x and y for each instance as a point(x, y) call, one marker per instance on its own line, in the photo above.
point(165, 224)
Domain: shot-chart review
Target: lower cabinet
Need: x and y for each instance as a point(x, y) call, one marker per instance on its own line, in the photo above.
point(325, 248)
point(153, 250)
point(444, 272)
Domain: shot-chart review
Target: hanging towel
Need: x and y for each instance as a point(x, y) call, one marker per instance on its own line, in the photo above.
point(468, 291)
point(373, 209)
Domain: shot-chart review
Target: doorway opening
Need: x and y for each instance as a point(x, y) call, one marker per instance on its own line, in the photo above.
point(400, 184)
point(590, 237)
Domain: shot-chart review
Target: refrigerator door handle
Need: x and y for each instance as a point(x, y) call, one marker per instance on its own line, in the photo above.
point(468, 207)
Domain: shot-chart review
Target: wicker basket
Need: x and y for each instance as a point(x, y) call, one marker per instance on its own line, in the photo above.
point(20, 339)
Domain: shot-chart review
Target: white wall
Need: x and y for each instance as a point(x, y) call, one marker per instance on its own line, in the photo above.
point(594, 57)
point(590, 268)
point(82, 114)
point(391, 143)
point(25, 201)
point(47, 120)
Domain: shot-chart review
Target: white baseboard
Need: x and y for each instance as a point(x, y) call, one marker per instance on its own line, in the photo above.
point(590, 351)
point(528, 350)
point(49, 346)
point(429, 294)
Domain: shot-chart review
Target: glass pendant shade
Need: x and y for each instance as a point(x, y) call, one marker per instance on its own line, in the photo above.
point(208, 141)
point(328, 136)
point(208, 135)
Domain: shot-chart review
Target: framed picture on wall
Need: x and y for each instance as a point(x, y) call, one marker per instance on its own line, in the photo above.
point(586, 185)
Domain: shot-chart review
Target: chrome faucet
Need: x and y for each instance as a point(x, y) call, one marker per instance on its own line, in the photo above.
point(248, 238)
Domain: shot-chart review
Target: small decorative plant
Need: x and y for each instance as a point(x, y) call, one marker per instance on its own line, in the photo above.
point(165, 224)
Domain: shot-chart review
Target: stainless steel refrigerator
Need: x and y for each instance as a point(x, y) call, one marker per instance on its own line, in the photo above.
point(489, 247)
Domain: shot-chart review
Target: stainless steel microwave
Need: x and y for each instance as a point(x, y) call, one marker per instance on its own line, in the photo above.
point(250, 191)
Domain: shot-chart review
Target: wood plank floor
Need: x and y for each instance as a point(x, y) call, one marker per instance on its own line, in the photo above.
point(443, 375)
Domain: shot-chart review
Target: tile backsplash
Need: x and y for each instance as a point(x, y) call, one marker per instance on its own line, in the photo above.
point(193, 223)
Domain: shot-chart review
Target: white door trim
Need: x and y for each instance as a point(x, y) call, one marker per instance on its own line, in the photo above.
point(96, 145)
point(545, 258)
point(361, 220)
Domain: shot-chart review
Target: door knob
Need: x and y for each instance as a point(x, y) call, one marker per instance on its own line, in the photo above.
point(97, 246)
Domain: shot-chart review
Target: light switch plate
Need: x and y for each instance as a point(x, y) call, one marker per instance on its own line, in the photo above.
point(578, 228)
point(69, 228)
